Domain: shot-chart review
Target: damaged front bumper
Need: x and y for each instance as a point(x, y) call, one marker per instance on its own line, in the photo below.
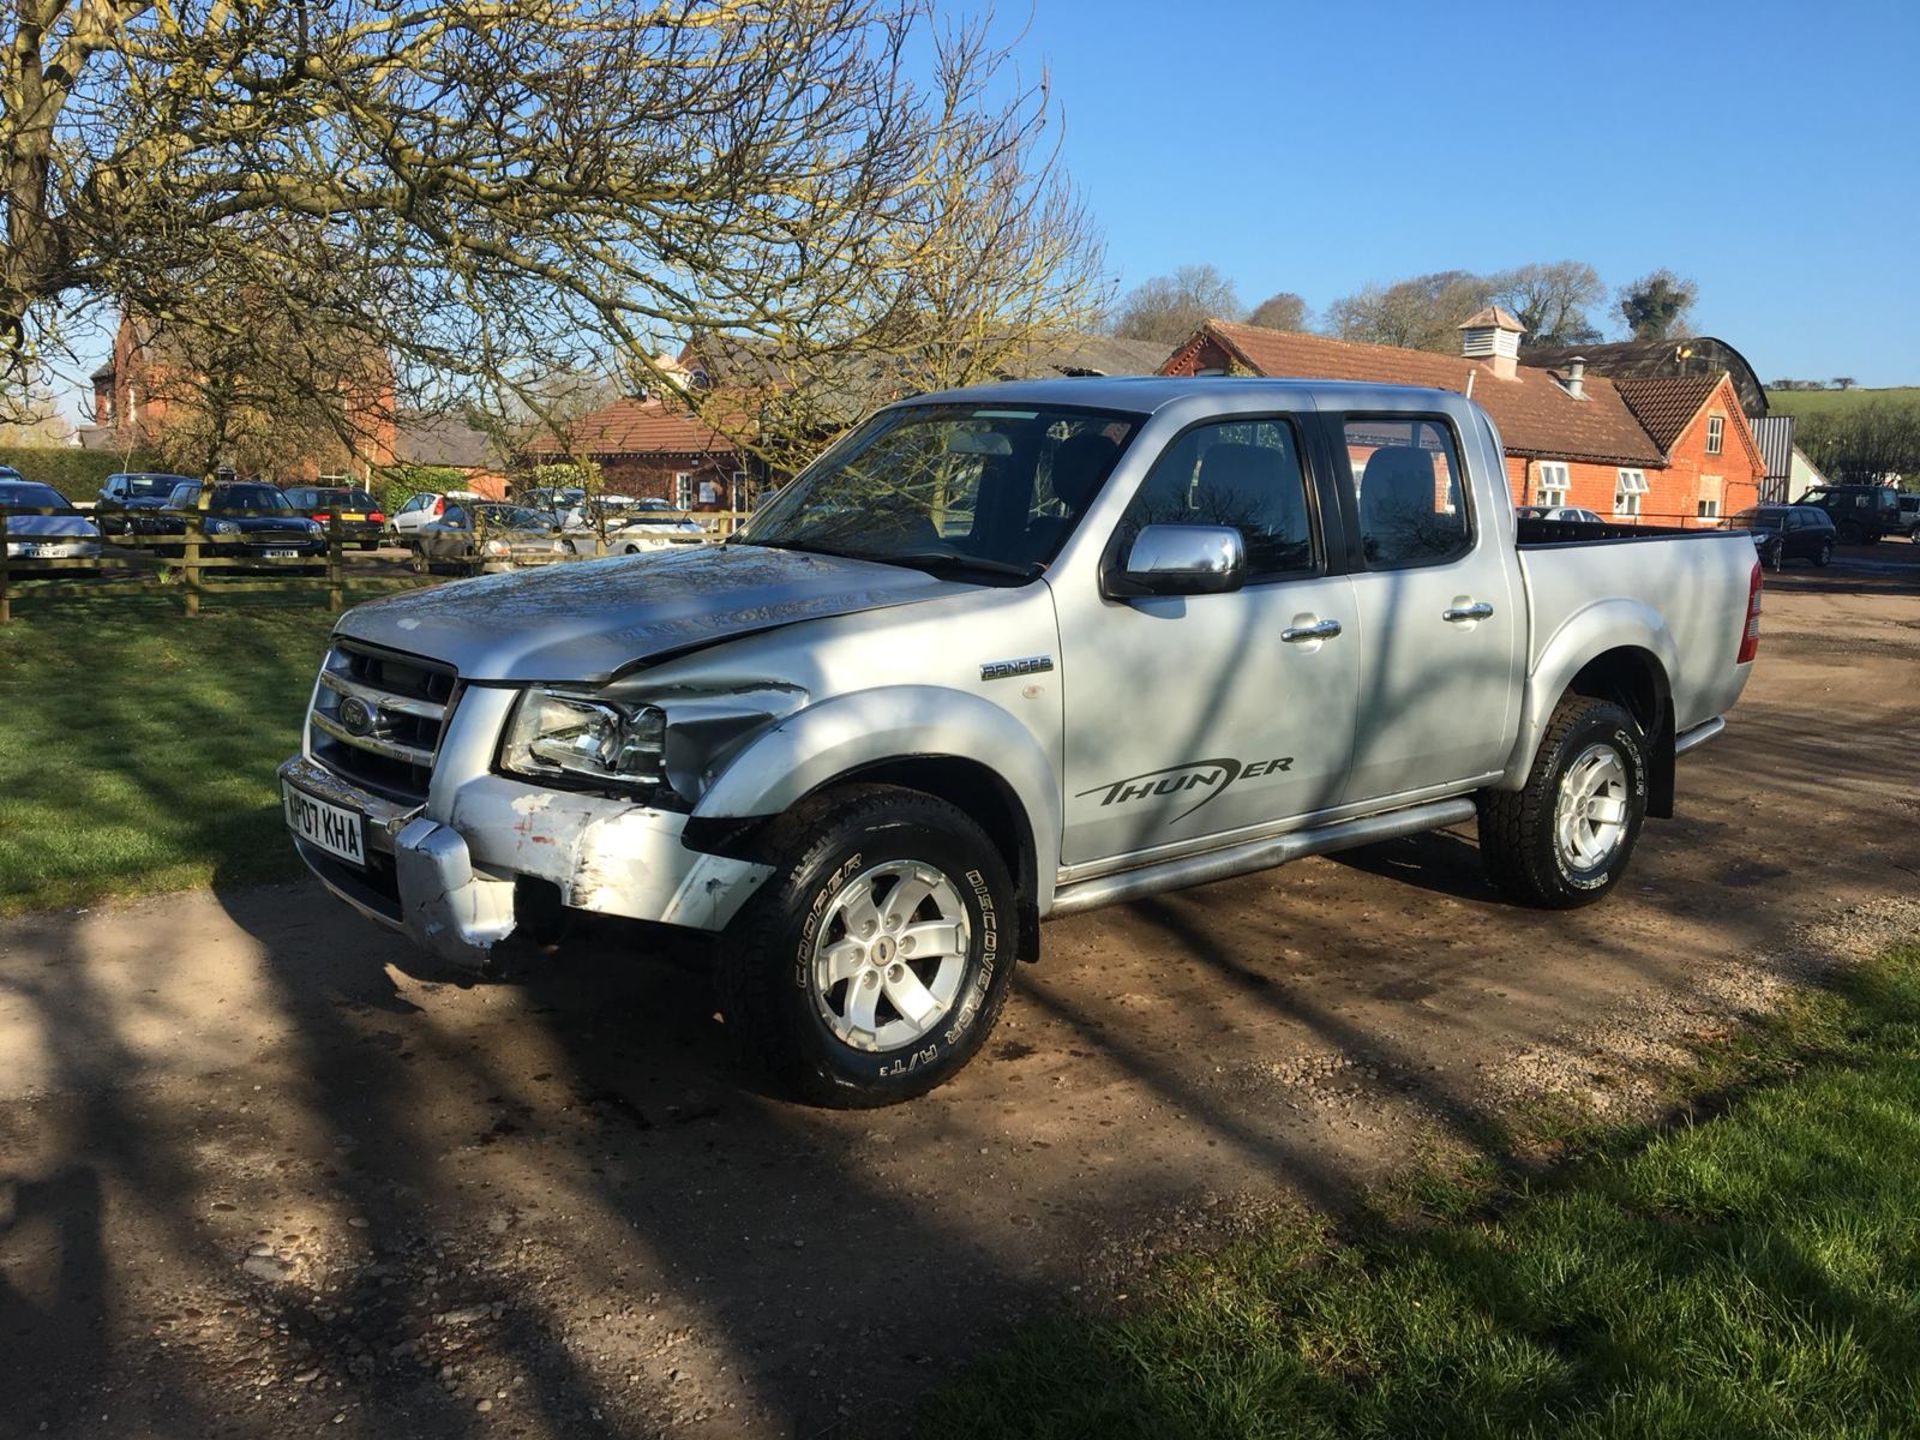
point(449, 872)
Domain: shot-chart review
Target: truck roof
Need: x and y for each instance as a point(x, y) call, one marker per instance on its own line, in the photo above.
point(1144, 394)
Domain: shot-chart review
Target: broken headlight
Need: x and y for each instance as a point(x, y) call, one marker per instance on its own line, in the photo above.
point(566, 737)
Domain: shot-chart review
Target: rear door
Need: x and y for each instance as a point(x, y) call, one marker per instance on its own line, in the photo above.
point(1190, 717)
point(1439, 623)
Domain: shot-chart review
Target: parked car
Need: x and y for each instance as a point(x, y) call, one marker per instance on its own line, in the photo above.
point(631, 530)
point(1558, 512)
point(488, 536)
point(361, 520)
point(243, 520)
point(1861, 514)
point(1788, 532)
point(423, 509)
point(67, 535)
point(123, 497)
point(1910, 513)
point(554, 499)
point(1010, 653)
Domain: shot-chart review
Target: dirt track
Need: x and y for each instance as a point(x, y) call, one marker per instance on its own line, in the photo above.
point(260, 1174)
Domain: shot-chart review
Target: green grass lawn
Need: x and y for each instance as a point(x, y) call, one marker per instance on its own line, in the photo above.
point(1820, 402)
point(1755, 1273)
point(137, 748)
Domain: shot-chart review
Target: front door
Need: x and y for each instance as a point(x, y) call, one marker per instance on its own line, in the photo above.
point(1438, 623)
point(1192, 717)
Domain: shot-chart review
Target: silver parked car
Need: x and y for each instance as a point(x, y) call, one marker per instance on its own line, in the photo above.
point(488, 535)
point(1009, 653)
point(68, 535)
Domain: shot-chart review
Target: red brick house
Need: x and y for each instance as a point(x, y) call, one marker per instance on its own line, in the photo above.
point(1669, 450)
point(653, 449)
point(138, 392)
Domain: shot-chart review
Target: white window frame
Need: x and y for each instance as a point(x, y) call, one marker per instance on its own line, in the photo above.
point(1554, 483)
point(1705, 509)
point(1629, 486)
point(1716, 433)
point(683, 490)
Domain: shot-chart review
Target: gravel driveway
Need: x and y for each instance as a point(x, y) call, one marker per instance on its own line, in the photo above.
point(262, 1174)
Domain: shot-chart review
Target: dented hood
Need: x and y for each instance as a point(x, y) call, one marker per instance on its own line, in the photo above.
point(585, 622)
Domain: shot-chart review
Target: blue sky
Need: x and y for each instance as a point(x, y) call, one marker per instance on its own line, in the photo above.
point(1769, 151)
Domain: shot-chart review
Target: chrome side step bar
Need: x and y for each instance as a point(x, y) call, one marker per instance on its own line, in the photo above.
point(1699, 735)
point(1254, 855)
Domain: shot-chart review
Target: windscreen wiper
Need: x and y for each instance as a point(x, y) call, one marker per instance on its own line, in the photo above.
point(953, 560)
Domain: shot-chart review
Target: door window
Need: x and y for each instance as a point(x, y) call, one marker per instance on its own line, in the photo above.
point(1412, 491)
point(1242, 473)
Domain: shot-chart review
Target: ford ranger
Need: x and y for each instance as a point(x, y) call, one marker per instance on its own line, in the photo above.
point(1009, 653)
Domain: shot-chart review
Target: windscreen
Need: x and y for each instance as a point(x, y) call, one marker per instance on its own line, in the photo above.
point(33, 497)
point(1002, 486)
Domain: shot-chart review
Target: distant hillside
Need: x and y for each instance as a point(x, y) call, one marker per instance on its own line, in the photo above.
point(1825, 402)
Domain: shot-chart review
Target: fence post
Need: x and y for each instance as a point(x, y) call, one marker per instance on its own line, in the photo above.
point(335, 580)
point(190, 560)
point(6, 602)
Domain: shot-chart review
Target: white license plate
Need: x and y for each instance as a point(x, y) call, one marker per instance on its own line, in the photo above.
point(333, 829)
point(278, 554)
point(40, 552)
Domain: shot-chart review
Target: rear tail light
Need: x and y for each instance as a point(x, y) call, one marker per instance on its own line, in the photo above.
point(322, 516)
point(439, 507)
point(374, 517)
point(1750, 632)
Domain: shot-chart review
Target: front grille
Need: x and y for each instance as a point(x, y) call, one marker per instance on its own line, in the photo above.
point(388, 739)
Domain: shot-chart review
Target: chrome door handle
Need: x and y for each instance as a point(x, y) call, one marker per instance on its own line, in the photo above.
point(1319, 630)
point(1478, 611)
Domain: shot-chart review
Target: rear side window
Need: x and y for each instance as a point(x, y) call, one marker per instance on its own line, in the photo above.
point(1411, 489)
point(1243, 473)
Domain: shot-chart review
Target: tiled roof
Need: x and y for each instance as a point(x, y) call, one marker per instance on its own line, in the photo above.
point(425, 438)
point(1535, 414)
point(1666, 403)
point(636, 427)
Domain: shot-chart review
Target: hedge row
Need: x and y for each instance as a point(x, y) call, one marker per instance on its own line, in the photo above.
point(75, 473)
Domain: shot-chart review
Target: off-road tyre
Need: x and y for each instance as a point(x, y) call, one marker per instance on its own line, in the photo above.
point(764, 963)
point(1519, 847)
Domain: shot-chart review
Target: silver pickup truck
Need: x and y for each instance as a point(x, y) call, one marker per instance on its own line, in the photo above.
point(1006, 654)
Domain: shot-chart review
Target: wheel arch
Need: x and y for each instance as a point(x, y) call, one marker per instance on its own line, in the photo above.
point(1618, 650)
point(949, 744)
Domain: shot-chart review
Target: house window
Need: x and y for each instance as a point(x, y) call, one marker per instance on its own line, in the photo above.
point(1716, 432)
point(1627, 491)
point(1707, 506)
point(1553, 484)
point(683, 490)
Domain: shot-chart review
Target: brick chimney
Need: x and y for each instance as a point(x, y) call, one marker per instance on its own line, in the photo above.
point(1493, 335)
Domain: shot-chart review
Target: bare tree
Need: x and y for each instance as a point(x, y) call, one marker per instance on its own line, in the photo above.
point(1421, 313)
point(1169, 308)
point(1844, 382)
point(1552, 300)
point(1284, 311)
point(996, 262)
point(35, 420)
point(501, 189)
point(1657, 305)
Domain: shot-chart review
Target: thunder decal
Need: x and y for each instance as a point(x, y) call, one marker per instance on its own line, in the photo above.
point(1212, 776)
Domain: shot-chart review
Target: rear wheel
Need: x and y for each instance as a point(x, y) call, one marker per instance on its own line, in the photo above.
point(875, 961)
point(1851, 534)
point(1564, 839)
point(1824, 553)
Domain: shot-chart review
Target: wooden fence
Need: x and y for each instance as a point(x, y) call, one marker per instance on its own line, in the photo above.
point(206, 566)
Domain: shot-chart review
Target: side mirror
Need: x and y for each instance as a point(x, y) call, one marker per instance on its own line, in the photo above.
point(1183, 560)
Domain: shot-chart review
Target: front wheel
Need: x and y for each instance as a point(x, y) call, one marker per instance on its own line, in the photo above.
point(1564, 839)
point(875, 961)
